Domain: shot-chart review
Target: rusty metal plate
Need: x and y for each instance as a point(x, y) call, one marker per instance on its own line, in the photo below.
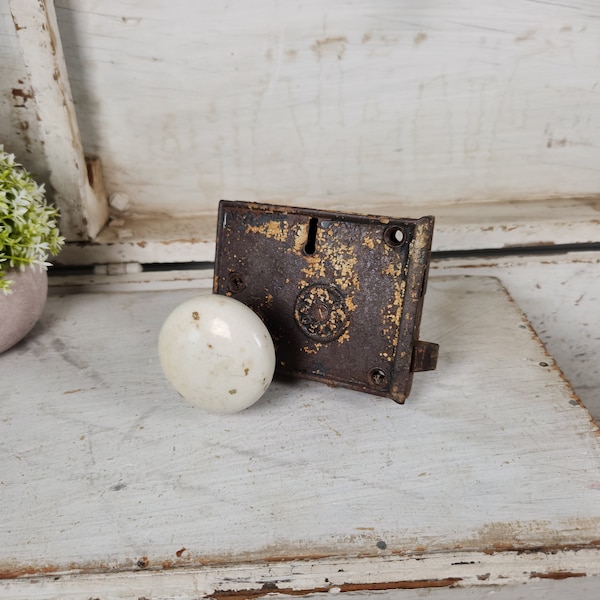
point(341, 294)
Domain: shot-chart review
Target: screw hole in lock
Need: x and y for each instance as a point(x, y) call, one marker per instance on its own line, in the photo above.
point(378, 377)
point(312, 236)
point(236, 283)
point(394, 236)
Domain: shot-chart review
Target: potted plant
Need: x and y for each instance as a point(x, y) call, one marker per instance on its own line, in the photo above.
point(28, 236)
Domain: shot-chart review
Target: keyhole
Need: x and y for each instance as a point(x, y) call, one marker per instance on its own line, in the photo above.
point(312, 236)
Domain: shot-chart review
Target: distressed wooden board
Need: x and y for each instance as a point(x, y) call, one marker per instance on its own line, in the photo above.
point(293, 107)
point(20, 130)
point(189, 102)
point(78, 189)
point(458, 227)
point(559, 293)
point(103, 465)
point(445, 576)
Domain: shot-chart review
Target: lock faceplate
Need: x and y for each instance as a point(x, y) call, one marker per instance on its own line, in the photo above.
point(341, 294)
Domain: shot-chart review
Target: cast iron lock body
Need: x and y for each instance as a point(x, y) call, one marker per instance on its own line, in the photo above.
point(341, 294)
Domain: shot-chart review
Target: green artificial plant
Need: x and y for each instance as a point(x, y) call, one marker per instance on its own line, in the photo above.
point(28, 224)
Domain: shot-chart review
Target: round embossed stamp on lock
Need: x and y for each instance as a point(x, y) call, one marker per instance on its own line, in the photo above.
point(320, 312)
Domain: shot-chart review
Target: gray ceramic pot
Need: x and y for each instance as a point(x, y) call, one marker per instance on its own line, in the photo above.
point(20, 310)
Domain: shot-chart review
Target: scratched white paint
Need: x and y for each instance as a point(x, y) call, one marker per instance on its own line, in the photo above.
point(101, 463)
point(346, 106)
point(457, 227)
point(343, 103)
point(78, 191)
point(19, 128)
point(499, 576)
point(492, 104)
point(559, 293)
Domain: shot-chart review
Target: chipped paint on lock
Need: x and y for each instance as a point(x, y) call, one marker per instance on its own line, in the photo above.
point(331, 288)
point(276, 230)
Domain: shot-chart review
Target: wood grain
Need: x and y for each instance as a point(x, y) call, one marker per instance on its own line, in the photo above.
point(344, 103)
point(103, 466)
point(78, 188)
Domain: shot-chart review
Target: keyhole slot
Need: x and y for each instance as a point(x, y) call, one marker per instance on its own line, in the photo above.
point(312, 236)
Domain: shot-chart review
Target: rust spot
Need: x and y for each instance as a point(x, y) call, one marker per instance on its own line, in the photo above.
point(195, 316)
point(21, 97)
point(366, 38)
point(180, 552)
point(277, 230)
point(552, 143)
point(246, 371)
point(141, 244)
point(420, 38)
point(502, 546)
point(483, 577)
point(557, 575)
point(232, 392)
point(528, 35)
point(18, 571)
point(330, 46)
point(345, 587)
point(52, 569)
point(549, 549)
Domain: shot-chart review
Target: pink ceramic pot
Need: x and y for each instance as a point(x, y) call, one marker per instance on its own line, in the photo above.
point(20, 310)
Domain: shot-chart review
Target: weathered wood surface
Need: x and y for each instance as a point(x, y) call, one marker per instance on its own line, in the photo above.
point(77, 188)
point(103, 466)
point(20, 131)
point(458, 227)
point(560, 294)
point(439, 576)
point(478, 101)
point(397, 107)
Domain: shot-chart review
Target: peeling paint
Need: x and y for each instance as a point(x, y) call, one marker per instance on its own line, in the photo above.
point(331, 288)
point(276, 230)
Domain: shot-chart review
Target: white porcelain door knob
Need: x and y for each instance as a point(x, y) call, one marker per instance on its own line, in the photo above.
point(217, 353)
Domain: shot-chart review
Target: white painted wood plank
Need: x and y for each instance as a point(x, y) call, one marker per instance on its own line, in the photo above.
point(399, 102)
point(19, 127)
point(464, 227)
point(492, 575)
point(491, 451)
point(560, 294)
point(78, 188)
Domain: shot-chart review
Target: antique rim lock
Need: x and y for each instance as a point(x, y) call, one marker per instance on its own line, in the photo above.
point(341, 294)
